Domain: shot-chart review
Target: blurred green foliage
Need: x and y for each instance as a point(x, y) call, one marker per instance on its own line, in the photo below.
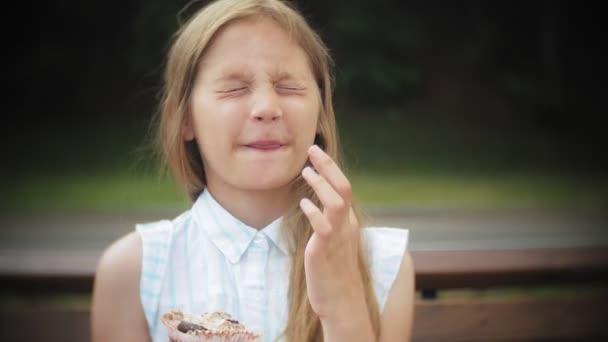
point(436, 94)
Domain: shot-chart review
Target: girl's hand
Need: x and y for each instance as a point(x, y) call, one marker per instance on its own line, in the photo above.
point(333, 278)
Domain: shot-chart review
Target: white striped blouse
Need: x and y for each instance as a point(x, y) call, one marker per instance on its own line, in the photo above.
point(206, 260)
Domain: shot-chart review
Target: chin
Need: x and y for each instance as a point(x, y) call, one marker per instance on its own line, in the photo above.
point(265, 182)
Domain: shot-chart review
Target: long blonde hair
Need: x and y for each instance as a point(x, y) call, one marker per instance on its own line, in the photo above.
point(184, 160)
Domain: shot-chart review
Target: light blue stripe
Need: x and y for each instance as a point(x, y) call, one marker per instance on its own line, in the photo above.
point(149, 315)
point(207, 276)
point(272, 314)
point(244, 229)
point(267, 332)
point(188, 270)
point(151, 276)
point(239, 223)
point(223, 281)
point(219, 226)
point(158, 244)
point(148, 294)
point(237, 299)
point(154, 260)
point(172, 287)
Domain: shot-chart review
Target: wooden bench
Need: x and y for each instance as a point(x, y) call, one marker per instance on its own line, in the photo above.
point(439, 316)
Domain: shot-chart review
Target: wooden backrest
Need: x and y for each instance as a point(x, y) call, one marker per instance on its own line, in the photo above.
point(436, 319)
point(438, 270)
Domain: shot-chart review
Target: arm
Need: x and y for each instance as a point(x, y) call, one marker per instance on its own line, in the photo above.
point(398, 317)
point(116, 312)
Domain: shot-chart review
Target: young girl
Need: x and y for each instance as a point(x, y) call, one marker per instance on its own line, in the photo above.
point(272, 238)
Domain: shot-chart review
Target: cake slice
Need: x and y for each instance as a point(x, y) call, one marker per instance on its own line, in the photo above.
point(206, 327)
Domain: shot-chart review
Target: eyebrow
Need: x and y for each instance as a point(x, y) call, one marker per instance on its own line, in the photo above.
point(282, 75)
point(234, 74)
point(240, 74)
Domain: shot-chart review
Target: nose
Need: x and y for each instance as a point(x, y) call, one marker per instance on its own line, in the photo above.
point(266, 106)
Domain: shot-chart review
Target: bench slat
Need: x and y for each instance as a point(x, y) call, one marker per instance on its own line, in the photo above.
point(45, 324)
point(487, 268)
point(74, 272)
point(581, 318)
point(443, 320)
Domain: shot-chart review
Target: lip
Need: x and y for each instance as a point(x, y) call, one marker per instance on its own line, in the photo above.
point(265, 145)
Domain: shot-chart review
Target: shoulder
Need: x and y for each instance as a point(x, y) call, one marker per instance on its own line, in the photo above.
point(392, 271)
point(397, 318)
point(116, 310)
point(122, 257)
point(163, 229)
point(386, 237)
point(385, 245)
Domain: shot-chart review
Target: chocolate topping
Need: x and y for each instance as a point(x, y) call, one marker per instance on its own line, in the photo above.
point(215, 323)
point(185, 326)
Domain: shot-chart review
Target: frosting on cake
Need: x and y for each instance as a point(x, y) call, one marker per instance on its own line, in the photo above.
point(214, 321)
point(213, 326)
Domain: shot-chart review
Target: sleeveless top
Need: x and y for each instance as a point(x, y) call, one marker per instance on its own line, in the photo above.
point(206, 260)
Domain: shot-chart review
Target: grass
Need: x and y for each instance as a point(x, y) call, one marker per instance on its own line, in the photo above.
point(392, 160)
point(112, 190)
point(104, 191)
point(13, 301)
point(470, 191)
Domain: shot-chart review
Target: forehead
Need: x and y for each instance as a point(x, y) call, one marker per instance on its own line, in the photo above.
point(252, 43)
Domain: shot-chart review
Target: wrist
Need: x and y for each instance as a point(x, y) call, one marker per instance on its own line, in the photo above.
point(349, 300)
point(350, 322)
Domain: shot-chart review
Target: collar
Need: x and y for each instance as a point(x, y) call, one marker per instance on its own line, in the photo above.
point(230, 235)
point(274, 232)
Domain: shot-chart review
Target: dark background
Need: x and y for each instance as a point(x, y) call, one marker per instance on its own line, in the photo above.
point(519, 83)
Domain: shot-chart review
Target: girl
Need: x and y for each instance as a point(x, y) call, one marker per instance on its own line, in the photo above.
point(273, 238)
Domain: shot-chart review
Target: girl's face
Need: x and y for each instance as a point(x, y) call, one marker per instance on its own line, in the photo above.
point(255, 106)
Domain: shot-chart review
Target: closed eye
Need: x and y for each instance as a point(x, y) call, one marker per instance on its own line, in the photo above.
point(291, 88)
point(231, 90)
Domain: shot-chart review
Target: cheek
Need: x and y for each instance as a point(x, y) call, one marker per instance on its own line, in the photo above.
point(306, 118)
point(216, 123)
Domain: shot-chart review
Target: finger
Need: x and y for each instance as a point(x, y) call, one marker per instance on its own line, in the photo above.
point(317, 219)
point(331, 172)
point(333, 204)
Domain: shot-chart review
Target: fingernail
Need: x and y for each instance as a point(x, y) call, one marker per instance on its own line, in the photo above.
point(306, 205)
point(314, 149)
point(307, 171)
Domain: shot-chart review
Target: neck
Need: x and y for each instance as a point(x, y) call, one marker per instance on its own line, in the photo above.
point(255, 208)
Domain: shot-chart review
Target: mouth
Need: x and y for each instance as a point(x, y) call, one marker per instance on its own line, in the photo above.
point(265, 145)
